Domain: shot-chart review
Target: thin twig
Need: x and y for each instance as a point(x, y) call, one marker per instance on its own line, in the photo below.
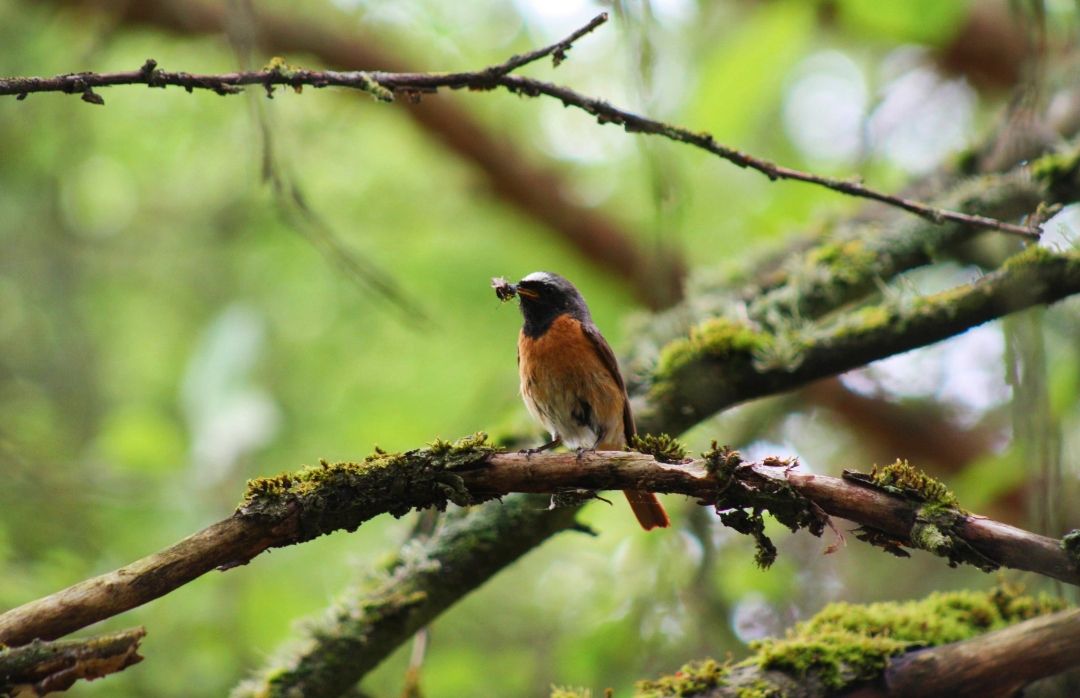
point(384, 85)
point(633, 123)
point(557, 50)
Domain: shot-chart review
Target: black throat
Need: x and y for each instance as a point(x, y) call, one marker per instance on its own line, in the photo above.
point(539, 316)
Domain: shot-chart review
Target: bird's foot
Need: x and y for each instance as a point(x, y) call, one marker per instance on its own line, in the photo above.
point(528, 452)
point(581, 451)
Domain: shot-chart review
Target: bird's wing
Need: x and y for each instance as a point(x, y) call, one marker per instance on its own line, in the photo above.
point(606, 355)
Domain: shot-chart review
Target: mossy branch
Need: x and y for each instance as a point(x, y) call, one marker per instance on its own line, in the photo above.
point(372, 619)
point(977, 644)
point(723, 362)
point(852, 262)
point(297, 507)
point(45, 667)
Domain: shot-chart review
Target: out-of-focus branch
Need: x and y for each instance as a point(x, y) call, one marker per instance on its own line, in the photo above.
point(995, 664)
point(654, 274)
point(819, 276)
point(723, 363)
point(889, 425)
point(297, 507)
point(978, 645)
point(384, 85)
point(40, 667)
point(372, 619)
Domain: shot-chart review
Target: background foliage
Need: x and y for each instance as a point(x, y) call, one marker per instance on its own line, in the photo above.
point(165, 333)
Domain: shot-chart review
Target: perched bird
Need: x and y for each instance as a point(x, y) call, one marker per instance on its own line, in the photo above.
point(570, 380)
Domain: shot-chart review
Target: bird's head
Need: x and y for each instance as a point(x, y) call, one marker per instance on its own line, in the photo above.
point(545, 296)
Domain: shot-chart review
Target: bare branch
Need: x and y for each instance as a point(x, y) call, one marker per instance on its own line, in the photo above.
point(384, 85)
point(557, 50)
point(297, 507)
point(44, 667)
point(607, 114)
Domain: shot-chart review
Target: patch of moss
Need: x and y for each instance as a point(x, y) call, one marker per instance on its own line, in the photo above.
point(691, 679)
point(847, 262)
point(846, 644)
point(1056, 168)
point(937, 521)
point(902, 478)
point(740, 504)
point(759, 688)
point(716, 339)
point(333, 496)
point(1070, 543)
point(869, 318)
point(721, 461)
point(751, 523)
point(662, 447)
point(1031, 256)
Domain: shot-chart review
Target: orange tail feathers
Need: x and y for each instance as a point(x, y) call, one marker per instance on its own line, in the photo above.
point(648, 509)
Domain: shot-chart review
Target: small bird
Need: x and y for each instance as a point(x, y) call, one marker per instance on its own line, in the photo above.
point(570, 380)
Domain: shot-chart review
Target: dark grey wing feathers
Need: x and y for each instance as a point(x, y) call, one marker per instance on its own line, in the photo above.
point(612, 365)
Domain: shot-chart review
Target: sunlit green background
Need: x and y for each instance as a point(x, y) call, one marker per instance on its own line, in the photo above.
point(166, 333)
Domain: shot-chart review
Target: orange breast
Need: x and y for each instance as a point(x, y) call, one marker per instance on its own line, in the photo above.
point(561, 372)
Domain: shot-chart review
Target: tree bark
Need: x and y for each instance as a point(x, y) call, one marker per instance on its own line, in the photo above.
point(44, 667)
point(293, 508)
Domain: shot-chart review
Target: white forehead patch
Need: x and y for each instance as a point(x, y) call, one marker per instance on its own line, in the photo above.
point(539, 276)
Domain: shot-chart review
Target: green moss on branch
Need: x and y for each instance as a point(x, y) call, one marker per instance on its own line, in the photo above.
point(936, 526)
point(1070, 543)
point(334, 496)
point(662, 447)
point(905, 480)
point(43, 667)
point(741, 501)
point(845, 645)
point(722, 363)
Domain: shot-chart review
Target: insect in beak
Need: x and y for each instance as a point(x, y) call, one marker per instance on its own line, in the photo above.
point(503, 288)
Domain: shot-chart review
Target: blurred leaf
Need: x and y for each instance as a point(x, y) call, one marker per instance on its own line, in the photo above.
point(742, 78)
point(923, 21)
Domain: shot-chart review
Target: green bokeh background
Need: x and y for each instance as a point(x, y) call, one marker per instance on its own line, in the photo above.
point(165, 334)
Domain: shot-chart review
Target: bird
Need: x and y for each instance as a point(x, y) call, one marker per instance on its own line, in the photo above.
point(570, 379)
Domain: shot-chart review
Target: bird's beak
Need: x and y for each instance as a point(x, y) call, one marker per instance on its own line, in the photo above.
point(525, 292)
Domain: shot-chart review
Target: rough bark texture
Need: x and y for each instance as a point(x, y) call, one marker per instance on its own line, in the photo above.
point(44, 667)
point(995, 664)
